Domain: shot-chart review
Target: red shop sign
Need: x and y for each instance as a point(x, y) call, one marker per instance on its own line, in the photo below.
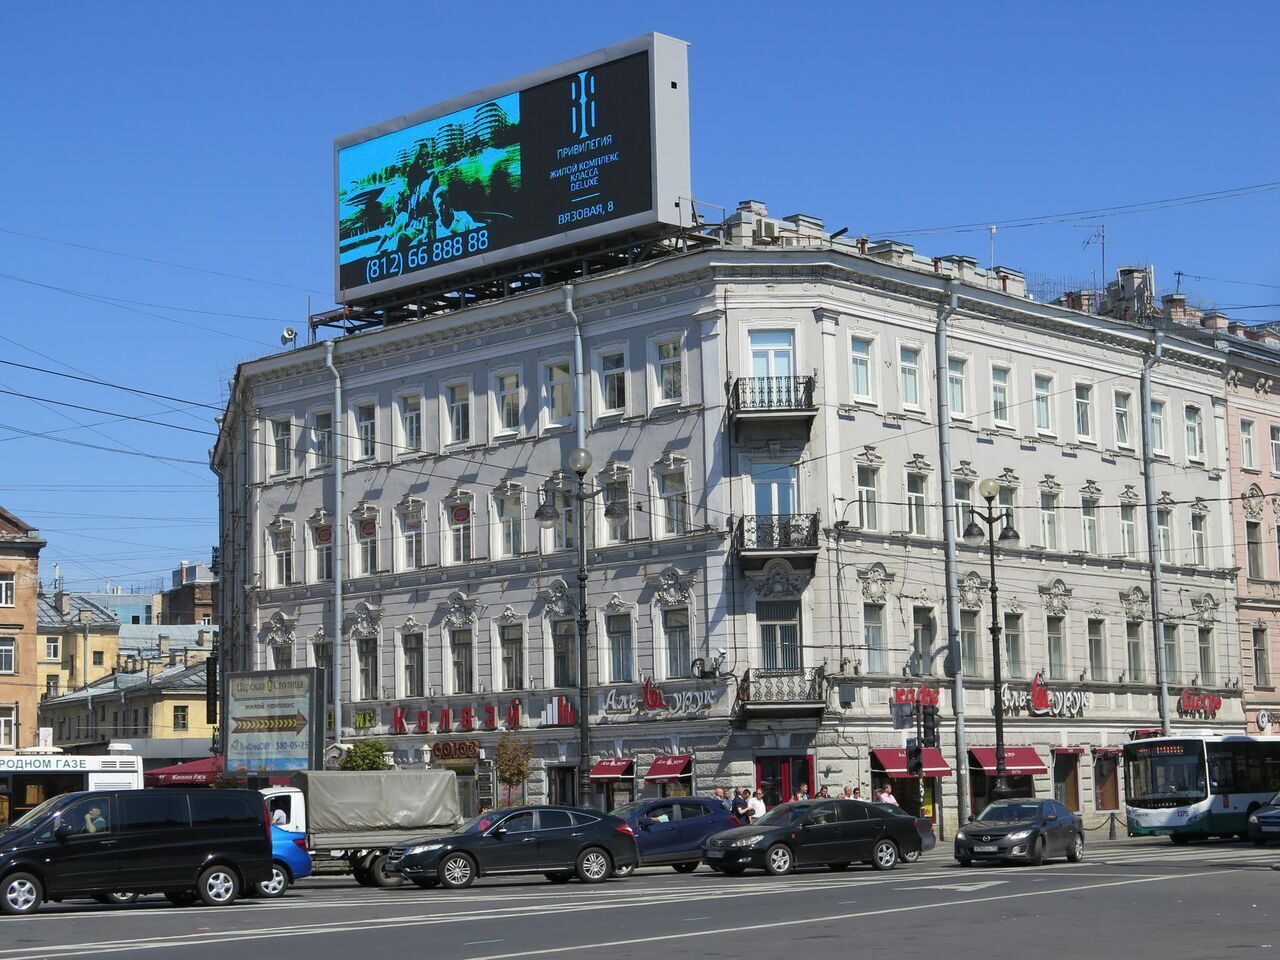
point(1203, 704)
point(925, 696)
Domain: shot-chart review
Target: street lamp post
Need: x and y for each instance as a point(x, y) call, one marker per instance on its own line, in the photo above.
point(973, 536)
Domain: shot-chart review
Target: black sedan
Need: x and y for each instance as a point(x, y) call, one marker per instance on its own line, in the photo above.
point(924, 826)
point(559, 842)
point(1021, 831)
point(810, 832)
point(1264, 822)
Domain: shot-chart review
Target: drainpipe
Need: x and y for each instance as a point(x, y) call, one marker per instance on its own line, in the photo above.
point(950, 559)
point(339, 539)
point(1149, 360)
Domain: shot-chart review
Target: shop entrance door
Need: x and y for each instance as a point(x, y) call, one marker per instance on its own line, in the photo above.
point(562, 786)
point(781, 777)
point(1066, 780)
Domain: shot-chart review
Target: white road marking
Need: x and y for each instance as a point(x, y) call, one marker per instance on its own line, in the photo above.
point(962, 887)
point(476, 943)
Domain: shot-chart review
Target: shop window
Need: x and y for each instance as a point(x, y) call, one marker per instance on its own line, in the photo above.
point(1066, 780)
point(1106, 782)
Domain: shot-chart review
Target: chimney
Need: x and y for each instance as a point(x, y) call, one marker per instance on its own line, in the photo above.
point(162, 644)
point(1214, 320)
point(62, 602)
point(1236, 328)
point(1174, 307)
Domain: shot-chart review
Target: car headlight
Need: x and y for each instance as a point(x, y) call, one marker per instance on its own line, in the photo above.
point(747, 841)
point(1253, 818)
point(1020, 835)
point(423, 848)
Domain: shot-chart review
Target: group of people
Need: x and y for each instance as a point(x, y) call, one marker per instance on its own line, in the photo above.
point(748, 805)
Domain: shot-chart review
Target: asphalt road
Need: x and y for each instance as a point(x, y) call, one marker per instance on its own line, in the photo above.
point(1132, 899)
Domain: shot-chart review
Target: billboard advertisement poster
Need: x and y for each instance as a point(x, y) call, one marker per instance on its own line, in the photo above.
point(592, 147)
point(274, 721)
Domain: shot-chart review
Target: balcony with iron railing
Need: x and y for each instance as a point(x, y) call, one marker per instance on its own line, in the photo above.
point(791, 536)
point(783, 692)
point(767, 398)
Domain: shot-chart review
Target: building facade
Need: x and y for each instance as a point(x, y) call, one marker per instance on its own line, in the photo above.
point(79, 642)
point(20, 546)
point(193, 598)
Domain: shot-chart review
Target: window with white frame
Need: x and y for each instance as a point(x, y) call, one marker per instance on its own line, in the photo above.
point(282, 546)
point(322, 438)
point(367, 538)
point(1089, 525)
point(1128, 530)
point(564, 648)
point(1049, 520)
point(1248, 458)
point(1204, 642)
point(565, 530)
point(917, 515)
point(7, 727)
point(414, 548)
point(410, 424)
point(1253, 548)
point(461, 648)
point(868, 482)
point(53, 649)
point(1057, 648)
point(673, 491)
point(458, 408)
point(323, 539)
point(507, 390)
point(1042, 402)
point(8, 654)
point(6, 590)
point(1275, 449)
point(1157, 426)
point(281, 445)
point(1015, 666)
point(1000, 394)
point(675, 630)
point(617, 628)
point(1172, 661)
point(1097, 650)
point(860, 367)
point(923, 631)
point(1199, 541)
point(969, 654)
point(1133, 646)
point(909, 376)
point(459, 517)
point(1164, 528)
point(1194, 428)
point(779, 624)
point(1122, 401)
point(511, 640)
point(962, 492)
point(1261, 658)
point(557, 392)
point(414, 665)
point(670, 371)
point(617, 490)
point(367, 661)
point(282, 657)
point(873, 637)
point(1084, 411)
point(366, 429)
point(510, 525)
point(613, 381)
point(957, 387)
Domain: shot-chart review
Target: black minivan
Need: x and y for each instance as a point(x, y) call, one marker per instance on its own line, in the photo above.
point(187, 844)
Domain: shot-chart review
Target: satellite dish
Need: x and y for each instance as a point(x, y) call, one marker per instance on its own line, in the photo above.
point(288, 336)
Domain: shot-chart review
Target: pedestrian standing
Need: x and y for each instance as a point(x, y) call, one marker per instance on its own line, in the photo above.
point(824, 793)
point(886, 795)
point(741, 805)
point(857, 793)
point(724, 801)
point(757, 804)
point(848, 793)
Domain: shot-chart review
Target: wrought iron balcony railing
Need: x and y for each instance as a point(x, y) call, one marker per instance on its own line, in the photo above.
point(773, 395)
point(778, 531)
point(803, 685)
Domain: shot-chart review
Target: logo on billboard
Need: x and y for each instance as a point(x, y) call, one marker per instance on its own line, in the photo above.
point(582, 90)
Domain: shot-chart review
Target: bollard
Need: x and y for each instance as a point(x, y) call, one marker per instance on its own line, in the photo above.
point(1111, 832)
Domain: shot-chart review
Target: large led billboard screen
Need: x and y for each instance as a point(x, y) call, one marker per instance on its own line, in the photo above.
point(589, 148)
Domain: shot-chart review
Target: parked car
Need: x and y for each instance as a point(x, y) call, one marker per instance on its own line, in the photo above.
point(1022, 830)
point(809, 832)
point(924, 826)
point(290, 861)
point(560, 842)
point(672, 830)
point(1264, 822)
point(187, 844)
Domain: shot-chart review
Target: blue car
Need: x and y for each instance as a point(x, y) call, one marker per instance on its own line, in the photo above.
point(290, 861)
point(670, 830)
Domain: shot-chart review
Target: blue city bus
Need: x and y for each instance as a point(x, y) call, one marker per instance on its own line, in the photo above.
point(1194, 787)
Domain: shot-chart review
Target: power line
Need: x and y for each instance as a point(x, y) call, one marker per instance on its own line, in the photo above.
point(109, 413)
point(143, 303)
point(98, 446)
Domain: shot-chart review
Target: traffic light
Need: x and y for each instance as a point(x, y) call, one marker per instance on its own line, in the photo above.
point(915, 760)
point(932, 727)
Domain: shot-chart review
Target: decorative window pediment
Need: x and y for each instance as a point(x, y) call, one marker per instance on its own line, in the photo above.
point(320, 517)
point(410, 504)
point(868, 455)
point(1135, 604)
point(509, 488)
point(1050, 484)
point(508, 616)
point(1166, 499)
point(365, 619)
point(919, 463)
point(1252, 501)
point(971, 588)
point(876, 581)
point(1056, 598)
point(1007, 478)
point(1128, 495)
point(279, 630)
point(364, 510)
point(966, 471)
point(671, 461)
point(460, 611)
point(672, 589)
point(558, 599)
point(281, 527)
point(1206, 609)
point(1091, 489)
point(777, 579)
point(616, 604)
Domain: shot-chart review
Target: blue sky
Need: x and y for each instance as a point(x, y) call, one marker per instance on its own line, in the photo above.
point(199, 135)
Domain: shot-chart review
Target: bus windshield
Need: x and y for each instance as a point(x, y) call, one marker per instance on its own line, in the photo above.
point(1165, 773)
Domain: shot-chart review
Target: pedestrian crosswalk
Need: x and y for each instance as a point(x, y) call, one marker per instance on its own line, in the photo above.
point(1193, 854)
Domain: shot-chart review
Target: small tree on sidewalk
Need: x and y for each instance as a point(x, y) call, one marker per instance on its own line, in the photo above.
point(511, 766)
point(365, 755)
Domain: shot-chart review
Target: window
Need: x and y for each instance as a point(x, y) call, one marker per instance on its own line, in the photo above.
point(7, 726)
point(366, 429)
point(324, 552)
point(675, 628)
point(1014, 666)
point(922, 632)
point(566, 527)
point(674, 492)
point(963, 490)
point(1057, 648)
point(1097, 650)
point(1049, 521)
point(511, 637)
point(1000, 394)
point(53, 648)
point(282, 657)
point(510, 526)
point(1164, 531)
point(618, 490)
point(1089, 526)
point(6, 589)
point(322, 438)
point(282, 544)
point(779, 624)
point(1157, 426)
point(1129, 530)
point(564, 652)
point(411, 424)
point(508, 390)
point(957, 372)
point(670, 372)
point(8, 655)
point(1042, 403)
point(368, 530)
point(282, 442)
point(860, 362)
point(413, 664)
point(1194, 432)
point(1261, 658)
point(1253, 547)
point(909, 375)
point(916, 517)
point(1247, 457)
point(1122, 401)
point(617, 628)
point(460, 646)
point(868, 514)
point(98, 658)
point(458, 404)
point(613, 381)
point(1133, 640)
point(180, 719)
point(969, 642)
point(1172, 668)
point(1204, 641)
point(557, 397)
point(1084, 411)
point(1275, 449)
point(414, 555)
point(1199, 549)
point(873, 637)
point(367, 655)
point(323, 653)
point(460, 517)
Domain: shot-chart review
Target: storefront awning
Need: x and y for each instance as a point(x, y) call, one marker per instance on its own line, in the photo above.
point(196, 773)
point(611, 769)
point(1019, 761)
point(1107, 751)
point(894, 762)
point(666, 769)
point(1070, 751)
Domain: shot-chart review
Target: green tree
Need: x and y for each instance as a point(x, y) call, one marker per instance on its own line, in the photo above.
point(511, 765)
point(365, 755)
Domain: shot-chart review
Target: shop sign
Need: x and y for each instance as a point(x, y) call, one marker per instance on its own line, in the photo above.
point(455, 751)
point(1264, 719)
point(451, 719)
point(1203, 706)
point(1041, 701)
point(651, 699)
point(924, 696)
point(364, 719)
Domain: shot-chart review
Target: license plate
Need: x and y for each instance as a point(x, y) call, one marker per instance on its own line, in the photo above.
point(986, 849)
point(714, 854)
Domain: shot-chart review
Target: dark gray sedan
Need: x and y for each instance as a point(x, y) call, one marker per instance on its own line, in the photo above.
point(1264, 822)
point(1021, 831)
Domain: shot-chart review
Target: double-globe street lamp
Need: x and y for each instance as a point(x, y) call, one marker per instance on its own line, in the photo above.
point(973, 535)
point(615, 512)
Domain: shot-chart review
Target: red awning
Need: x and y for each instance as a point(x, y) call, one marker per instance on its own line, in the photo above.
point(197, 772)
point(894, 762)
point(611, 769)
point(1067, 750)
point(1107, 751)
point(1019, 761)
point(666, 769)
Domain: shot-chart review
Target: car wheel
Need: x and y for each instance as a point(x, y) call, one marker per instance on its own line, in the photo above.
point(21, 894)
point(779, 860)
point(886, 855)
point(623, 872)
point(361, 876)
point(965, 861)
point(115, 898)
point(426, 883)
point(733, 870)
point(593, 865)
point(180, 898)
point(276, 886)
point(1037, 854)
point(911, 856)
point(687, 867)
point(378, 876)
point(838, 867)
point(457, 871)
point(559, 877)
point(1076, 852)
point(218, 886)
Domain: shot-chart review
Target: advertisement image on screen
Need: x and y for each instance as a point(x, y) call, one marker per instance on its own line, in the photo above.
point(540, 162)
